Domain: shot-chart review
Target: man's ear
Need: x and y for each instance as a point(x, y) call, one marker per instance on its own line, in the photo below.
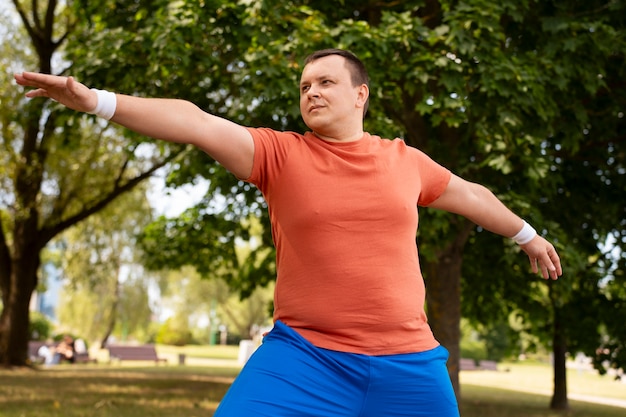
point(364, 93)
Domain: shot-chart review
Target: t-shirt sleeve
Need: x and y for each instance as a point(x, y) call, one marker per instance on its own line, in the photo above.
point(434, 178)
point(270, 151)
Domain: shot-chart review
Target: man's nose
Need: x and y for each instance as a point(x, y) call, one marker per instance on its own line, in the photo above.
point(312, 92)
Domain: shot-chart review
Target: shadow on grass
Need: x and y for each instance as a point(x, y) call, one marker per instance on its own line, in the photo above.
point(111, 392)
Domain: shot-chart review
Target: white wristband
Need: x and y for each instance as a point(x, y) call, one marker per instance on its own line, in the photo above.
point(525, 235)
point(107, 102)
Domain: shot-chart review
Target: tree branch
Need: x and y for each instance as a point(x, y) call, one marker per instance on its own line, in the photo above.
point(47, 233)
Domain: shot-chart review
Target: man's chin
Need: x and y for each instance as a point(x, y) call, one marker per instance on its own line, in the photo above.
point(315, 124)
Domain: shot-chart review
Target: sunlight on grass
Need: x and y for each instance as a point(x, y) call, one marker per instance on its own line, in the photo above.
point(538, 378)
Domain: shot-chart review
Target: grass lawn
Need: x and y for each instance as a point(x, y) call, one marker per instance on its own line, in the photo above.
point(480, 401)
point(113, 391)
point(194, 391)
point(538, 378)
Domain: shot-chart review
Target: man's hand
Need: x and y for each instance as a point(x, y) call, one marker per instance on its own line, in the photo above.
point(543, 258)
point(65, 90)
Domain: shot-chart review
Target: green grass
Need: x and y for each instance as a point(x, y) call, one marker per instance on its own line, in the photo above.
point(81, 391)
point(480, 401)
point(194, 391)
point(538, 378)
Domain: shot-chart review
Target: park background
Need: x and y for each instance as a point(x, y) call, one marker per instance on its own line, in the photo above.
point(526, 97)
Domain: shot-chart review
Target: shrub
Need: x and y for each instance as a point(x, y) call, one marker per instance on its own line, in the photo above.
point(40, 326)
point(168, 334)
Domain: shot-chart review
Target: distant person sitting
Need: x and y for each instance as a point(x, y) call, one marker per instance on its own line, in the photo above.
point(47, 352)
point(64, 351)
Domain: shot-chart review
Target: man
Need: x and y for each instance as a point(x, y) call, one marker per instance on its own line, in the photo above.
point(350, 335)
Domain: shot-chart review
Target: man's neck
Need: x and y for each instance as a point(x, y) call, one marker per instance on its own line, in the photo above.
point(340, 139)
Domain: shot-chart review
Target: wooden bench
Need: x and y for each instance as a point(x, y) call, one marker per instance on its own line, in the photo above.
point(487, 365)
point(33, 351)
point(467, 364)
point(134, 353)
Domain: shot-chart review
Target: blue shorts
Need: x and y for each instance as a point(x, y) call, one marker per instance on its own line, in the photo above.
point(288, 376)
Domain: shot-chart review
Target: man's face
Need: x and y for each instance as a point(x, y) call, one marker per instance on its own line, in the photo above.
point(328, 100)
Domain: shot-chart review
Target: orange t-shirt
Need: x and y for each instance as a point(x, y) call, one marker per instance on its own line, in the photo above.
point(344, 220)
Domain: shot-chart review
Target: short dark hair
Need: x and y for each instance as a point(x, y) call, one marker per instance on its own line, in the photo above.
point(355, 65)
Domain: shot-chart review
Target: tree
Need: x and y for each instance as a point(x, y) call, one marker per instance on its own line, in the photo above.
point(583, 192)
point(58, 169)
point(192, 300)
point(483, 87)
point(105, 287)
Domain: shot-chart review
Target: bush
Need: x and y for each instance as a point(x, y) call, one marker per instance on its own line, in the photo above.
point(472, 347)
point(168, 334)
point(40, 327)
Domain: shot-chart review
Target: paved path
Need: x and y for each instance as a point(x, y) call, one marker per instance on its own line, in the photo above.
point(615, 402)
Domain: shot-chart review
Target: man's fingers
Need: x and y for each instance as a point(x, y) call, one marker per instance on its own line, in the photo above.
point(40, 81)
point(556, 261)
point(533, 264)
point(65, 90)
point(545, 266)
point(40, 92)
point(549, 265)
point(543, 258)
point(546, 270)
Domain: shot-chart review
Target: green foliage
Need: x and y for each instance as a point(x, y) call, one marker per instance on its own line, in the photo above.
point(39, 327)
point(134, 312)
point(104, 282)
point(471, 345)
point(202, 304)
point(575, 183)
point(171, 333)
point(493, 341)
point(500, 341)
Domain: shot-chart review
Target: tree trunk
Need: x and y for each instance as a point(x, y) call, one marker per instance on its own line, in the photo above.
point(114, 309)
point(559, 351)
point(443, 296)
point(22, 256)
point(14, 320)
point(443, 301)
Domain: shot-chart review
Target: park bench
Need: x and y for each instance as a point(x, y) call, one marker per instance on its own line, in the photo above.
point(134, 353)
point(487, 365)
point(466, 364)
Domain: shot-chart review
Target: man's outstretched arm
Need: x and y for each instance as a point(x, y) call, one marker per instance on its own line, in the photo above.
point(481, 206)
point(171, 120)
